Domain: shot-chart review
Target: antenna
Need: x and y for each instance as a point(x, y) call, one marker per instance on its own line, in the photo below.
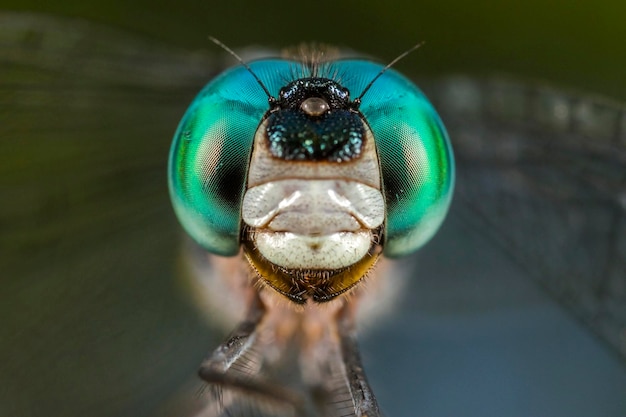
point(357, 101)
point(242, 62)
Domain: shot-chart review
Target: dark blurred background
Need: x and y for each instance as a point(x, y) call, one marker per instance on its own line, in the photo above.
point(92, 318)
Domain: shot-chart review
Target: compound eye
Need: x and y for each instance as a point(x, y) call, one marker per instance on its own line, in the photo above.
point(314, 106)
point(210, 155)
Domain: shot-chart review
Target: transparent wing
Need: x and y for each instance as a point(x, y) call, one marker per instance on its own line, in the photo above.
point(91, 319)
point(539, 200)
point(543, 173)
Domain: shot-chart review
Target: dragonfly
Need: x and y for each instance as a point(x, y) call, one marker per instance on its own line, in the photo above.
point(95, 321)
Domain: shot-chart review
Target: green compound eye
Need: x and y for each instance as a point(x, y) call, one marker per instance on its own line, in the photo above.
point(210, 154)
point(415, 155)
point(211, 150)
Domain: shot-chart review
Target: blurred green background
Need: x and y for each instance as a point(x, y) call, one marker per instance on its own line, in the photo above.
point(572, 43)
point(92, 319)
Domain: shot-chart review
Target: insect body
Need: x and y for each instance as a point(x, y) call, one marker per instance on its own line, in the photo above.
point(310, 187)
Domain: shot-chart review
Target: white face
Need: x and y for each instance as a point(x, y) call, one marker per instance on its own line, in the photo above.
point(313, 224)
point(313, 215)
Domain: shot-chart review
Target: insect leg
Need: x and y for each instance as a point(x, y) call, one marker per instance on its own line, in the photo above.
point(364, 400)
point(234, 367)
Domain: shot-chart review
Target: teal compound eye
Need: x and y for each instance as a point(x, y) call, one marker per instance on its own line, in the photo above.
point(415, 155)
point(210, 154)
point(211, 151)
